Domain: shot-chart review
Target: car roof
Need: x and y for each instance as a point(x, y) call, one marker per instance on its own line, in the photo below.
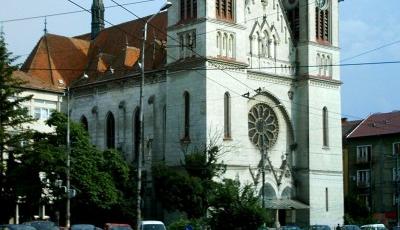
point(152, 222)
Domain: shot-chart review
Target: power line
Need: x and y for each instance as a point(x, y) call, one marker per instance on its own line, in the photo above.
point(232, 68)
point(66, 13)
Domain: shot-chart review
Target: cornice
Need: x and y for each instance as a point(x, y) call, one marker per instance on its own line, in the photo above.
point(276, 79)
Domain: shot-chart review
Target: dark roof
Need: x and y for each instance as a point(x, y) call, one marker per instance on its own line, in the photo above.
point(348, 126)
point(58, 61)
point(378, 124)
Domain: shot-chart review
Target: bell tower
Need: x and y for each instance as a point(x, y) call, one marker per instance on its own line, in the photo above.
point(317, 121)
point(97, 17)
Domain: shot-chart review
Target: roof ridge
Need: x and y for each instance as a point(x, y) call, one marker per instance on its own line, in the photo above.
point(348, 135)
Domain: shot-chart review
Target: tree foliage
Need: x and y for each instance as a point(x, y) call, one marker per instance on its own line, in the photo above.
point(12, 118)
point(235, 207)
point(104, 181)
point(193, 190)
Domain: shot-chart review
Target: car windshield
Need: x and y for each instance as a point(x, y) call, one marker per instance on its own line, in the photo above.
point(17, 227)
point(153, 227)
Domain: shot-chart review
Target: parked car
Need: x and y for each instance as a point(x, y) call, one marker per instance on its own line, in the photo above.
point(319, 227)
point(84, 227)
point(16, 227)
point(290, 227)
point(350, 227)
point(115, 226)
point(374, 227)
point(152, 225)
point(43, 225)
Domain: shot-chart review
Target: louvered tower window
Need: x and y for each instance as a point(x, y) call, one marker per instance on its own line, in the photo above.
point(322, 25)
point(225, 9)
point(188, 9)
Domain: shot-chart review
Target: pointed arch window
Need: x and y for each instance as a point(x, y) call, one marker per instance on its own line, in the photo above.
point(136, 133)
point(84, 123)
point(322, 24)
point(325, 128)
point(110, 131)
point(227, 115)
point(186, 101)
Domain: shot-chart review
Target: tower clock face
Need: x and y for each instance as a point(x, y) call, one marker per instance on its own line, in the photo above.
point(322, 4)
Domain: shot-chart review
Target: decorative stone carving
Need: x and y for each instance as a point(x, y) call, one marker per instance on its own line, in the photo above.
point(263, 125)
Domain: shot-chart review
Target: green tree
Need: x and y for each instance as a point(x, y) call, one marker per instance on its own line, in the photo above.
point(12, 118)
point(192, 189)
point(186, 188)
point(103, 179)
point(233, 206)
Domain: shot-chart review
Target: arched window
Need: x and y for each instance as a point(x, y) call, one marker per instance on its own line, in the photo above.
point(84, 123)
point(110, 131)
point(259, 47)
point(136, 133)
point(188, 45)
point(319, 64)
point(219, 49)
point(230, 46)
point(227, 115)
point(325, 129)
point(322, 23)
point(186, 99)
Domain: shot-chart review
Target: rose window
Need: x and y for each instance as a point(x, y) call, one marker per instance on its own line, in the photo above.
point(263, 125)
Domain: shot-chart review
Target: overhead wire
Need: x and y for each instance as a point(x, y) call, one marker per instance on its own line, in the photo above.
point(236, 79)
point(66, 13)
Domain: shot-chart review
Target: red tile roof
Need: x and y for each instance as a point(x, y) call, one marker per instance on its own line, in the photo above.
point(378, 124)
point(57, 61)
point(31, 82)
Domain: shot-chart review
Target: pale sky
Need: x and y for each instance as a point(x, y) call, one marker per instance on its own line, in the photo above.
point(364, 25)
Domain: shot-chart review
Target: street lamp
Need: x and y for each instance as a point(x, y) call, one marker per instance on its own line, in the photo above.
point(141, 138)
point(68, 179)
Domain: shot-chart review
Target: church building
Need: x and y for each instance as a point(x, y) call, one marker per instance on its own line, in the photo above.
point(254, 76)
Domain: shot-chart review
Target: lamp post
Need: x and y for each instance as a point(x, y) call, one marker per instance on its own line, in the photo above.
point(68, 179)
point(141, 143)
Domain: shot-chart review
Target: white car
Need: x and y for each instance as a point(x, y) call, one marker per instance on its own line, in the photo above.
point(152, 225)
point(373, 227)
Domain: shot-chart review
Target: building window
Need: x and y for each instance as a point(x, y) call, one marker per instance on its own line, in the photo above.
point(326, 200)
point(84, 123)
point(364, 153)
point(396, 148)
point(224, 9)
point(394, 174)
point(186, 99)
point(322, 25)
point(225, 44)
point(110, 131)
point(136, 133)
point(43, 109)
point(187, 44)
point(188, 9)
point(227, 115)
point(363, 178)
point(325, 127)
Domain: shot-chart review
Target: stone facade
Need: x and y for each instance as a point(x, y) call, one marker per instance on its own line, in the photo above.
point(255, 57)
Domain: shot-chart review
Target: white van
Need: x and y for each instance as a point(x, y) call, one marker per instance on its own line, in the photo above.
point(373, 227)
point(152, 225)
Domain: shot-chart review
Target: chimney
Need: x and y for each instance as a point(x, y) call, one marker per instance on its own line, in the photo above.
point(97, 17)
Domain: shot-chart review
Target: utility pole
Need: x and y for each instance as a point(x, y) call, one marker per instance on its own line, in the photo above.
point(68, 181)
point(397, 190)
